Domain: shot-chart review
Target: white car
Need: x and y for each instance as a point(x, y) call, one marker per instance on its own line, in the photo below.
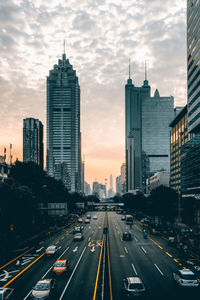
point(95, 217)
point(80, 220)
point(133, 286)
point(78, 237)
point(186, 278)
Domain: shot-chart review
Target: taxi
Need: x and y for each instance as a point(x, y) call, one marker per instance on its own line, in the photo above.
point(61, 267)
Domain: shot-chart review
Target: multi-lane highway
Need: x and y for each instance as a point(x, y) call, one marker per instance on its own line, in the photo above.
point(151, 259)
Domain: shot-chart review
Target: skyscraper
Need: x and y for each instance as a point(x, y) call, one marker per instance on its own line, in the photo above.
point(33, 148)
point(133, 132)
point(193, 65)
point(63, 125)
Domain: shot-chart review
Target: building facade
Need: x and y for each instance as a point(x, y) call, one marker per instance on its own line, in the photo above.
point(193, 64)
point(178, 137)
point(63, 125)
point(118, 185)
point(33, 147)
point(158, 179)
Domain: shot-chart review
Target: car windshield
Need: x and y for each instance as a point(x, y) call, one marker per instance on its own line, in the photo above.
point(188, 277)
point(51, 248)
point(42, 286)
point(78, 234)
point(135, 286)
point(60, 264)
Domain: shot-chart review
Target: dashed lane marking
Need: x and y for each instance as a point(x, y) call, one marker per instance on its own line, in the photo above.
point(168, 254)
point(144, 250)
point(134, 269)
point(159, 269)
point(126, 250)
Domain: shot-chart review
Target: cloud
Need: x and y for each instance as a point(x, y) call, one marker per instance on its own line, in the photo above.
point(100, 37)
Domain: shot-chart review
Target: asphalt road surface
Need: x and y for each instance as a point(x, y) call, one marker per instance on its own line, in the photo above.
point(151, 259)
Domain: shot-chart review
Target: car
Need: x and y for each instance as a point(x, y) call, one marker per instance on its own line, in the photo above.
point(51, 250)
point(123, 218)
point(78, 236)
point(126, 236)
point(87, 221)
point(80, 220)
point(186, 278)
point(133, 286)
point(78, 229)
point(172, 240)
point(94, 217)
point(44, 289)
point(61, 267)
point(88, 217)
point(6, 294)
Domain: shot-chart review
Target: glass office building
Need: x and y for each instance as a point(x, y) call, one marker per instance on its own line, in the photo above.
point(193, 64)
point(33, 147)
point(178, 137)
point(63, 125)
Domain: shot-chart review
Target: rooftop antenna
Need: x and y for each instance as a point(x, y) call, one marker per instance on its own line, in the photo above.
point(64, 46)
point(129, 68)
point(145, 70)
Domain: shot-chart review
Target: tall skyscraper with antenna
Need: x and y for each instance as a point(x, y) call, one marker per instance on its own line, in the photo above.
point(133, 131)
point(63, 124)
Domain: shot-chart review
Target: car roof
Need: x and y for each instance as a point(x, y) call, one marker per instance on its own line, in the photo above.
point(186, 272)
point(134, 280)
point(46, 280)
point(61, 260)
point(52, 246)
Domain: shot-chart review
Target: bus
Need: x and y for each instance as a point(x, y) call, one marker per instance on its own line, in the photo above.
point(129, 220)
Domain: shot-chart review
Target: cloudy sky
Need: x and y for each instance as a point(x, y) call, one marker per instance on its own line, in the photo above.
point(100, 37)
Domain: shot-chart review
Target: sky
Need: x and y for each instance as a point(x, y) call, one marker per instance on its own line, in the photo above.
point(101, 36)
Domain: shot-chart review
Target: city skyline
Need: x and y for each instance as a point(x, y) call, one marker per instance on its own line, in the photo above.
point(28, 51)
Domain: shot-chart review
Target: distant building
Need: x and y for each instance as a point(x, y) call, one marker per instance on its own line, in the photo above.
point(95, 188)
point(110, 190)
point(102, 191)
point(157, 113)
point(118, 185)
point(63, 125)
point(159, 178)
point(33, 148)
point(123, 178)
point(178, 137)
point(87, 189)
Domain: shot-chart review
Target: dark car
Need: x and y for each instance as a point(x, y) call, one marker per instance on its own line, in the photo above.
point(44, 289)
point(133, 286)
point(6, 294)
point(78, 236)
point(126, 236)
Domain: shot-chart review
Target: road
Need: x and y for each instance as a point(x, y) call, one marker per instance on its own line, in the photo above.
point(151, 259)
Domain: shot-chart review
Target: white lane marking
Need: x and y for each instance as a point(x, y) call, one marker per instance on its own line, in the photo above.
point(126, 250)
point(47, 272)
point(121, 239)
point(89, 239)
point(61, 297)
point(159, 269)
point(26, 261)
point(134, 269)
point(39, 249)
point(7, 275)
point(135, 239)
point(144, 250)
point(122, 255)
